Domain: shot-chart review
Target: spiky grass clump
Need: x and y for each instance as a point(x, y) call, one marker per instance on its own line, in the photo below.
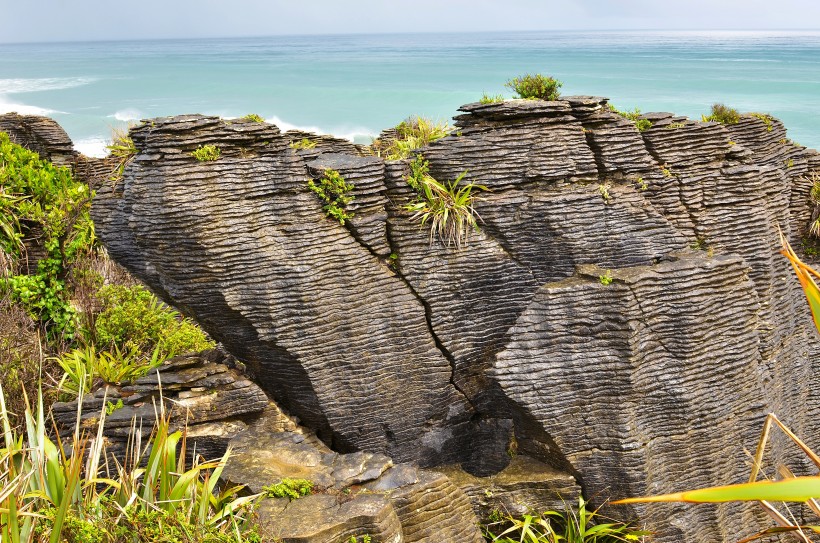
point(579, 525)
point(123, 148)
point(535, 87)
point(413, 134)
point(722, 114)
point(206, 153)
point(449, 208)
point(65, 490)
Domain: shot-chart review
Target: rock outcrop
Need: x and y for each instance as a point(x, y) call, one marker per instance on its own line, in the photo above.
point(387, 344)
point(203, 393)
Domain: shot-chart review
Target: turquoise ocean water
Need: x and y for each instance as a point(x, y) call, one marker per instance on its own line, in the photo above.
point(353, 86)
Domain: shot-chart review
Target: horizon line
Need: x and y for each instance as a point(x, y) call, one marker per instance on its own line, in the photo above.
point(319, 34)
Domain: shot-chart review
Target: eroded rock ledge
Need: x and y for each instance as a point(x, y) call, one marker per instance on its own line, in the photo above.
point(650, 384)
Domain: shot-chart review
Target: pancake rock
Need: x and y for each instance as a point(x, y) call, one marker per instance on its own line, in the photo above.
point(385, 343)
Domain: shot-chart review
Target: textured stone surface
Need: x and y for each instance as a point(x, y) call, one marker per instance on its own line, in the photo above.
point(524, 486)
point(356, 494)
point(203, 392)
point(650, 384)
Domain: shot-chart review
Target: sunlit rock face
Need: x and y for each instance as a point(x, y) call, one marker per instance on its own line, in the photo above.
point(382, 341)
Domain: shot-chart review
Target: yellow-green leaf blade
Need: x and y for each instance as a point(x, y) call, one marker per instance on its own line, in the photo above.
point(798, 489)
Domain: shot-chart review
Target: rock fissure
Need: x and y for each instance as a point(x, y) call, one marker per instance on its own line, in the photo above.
point(658, 378)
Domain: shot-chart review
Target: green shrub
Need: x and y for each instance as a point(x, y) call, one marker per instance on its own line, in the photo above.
point(722, 114)
point(253, 117)
point(289, 488)
point(84, 367)
point(133, 321)
point(335, 193)
point(486, 99)
point(304, 143)
point(635, 116)
point(206, 153)
point(413, 134)
point(45, 204)
point(535, 87)
point(606, 278)
point(448, 207)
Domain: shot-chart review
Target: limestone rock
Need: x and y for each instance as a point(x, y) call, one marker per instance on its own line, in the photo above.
point(199, 392)
point(439, 356)
point(328, 519)
point(526, 485)
point(39, 134)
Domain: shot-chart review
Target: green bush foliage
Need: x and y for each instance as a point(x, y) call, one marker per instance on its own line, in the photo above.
point(133, 321)
point(44, 204)
point(334, 193)
point(635, 116)
point(535, 87)
point(206, 153)
point(253, 117)
point(722, 114)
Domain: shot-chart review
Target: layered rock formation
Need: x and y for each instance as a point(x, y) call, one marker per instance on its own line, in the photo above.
point(383, 342)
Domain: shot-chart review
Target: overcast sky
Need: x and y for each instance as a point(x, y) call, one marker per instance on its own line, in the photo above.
point(81, 20)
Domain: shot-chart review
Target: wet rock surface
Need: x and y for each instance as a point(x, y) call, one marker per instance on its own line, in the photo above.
point(437, 356)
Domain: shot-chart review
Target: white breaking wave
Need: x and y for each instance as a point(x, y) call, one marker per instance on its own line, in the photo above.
point(357, 134)
point(127, 115)
point(18, 86)
point(93, 147)
point(22, 109)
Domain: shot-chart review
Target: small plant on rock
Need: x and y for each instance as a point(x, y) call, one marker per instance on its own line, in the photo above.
point(535, 87)
point(335, 193)
point(722, 114)
point(303, 143)
point(253, 117)
point(413, 134)
point(635, 116)
point(606, 278)
point(494, 99)
point(123, 148)
point(206, 153)
point(447, 207)
point(603, 190)
point(289, 488)
point(572, 526)
point(766, 118)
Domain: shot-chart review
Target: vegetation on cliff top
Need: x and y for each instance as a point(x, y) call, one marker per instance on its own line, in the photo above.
point(535, 87)
point(411, 135)
point(722, 114)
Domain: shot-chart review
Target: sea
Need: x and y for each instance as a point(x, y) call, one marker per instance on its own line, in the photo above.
point(353, 86)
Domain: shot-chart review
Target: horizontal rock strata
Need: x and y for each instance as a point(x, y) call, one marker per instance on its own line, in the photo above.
point(385, 341)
